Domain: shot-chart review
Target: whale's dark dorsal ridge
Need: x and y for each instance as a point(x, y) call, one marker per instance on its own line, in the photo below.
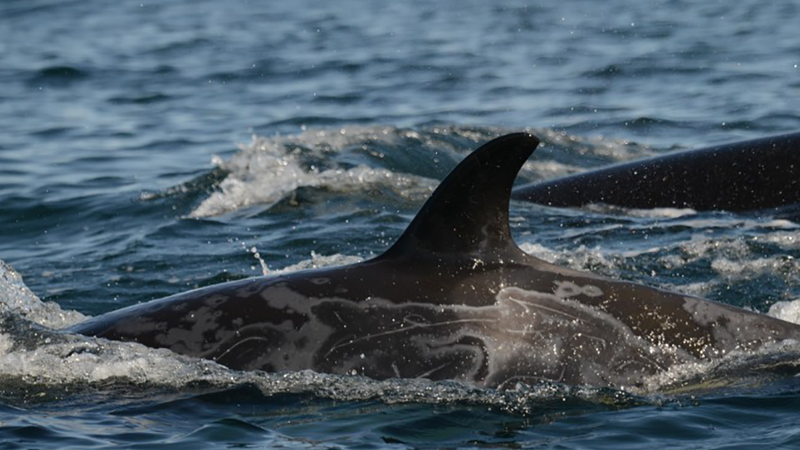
point(467, 215)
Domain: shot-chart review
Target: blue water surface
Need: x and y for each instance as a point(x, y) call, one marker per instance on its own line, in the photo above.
point(147, 148)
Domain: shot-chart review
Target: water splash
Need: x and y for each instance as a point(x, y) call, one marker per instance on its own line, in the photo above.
point(17, 299)
point(268, 169)
point(254, 251)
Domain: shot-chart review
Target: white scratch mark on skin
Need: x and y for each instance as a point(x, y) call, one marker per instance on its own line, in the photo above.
point(595, 338)
point(254, 338)
point(526, 305)
point(396, 370)
point(432, 371)
point(534, 378)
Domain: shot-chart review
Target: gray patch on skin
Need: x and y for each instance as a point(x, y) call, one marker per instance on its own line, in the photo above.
point(566, 289)
point(583, 343)
point(281, 296)
point(731, 329)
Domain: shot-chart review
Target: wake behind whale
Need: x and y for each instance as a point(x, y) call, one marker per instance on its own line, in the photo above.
point(453, 298)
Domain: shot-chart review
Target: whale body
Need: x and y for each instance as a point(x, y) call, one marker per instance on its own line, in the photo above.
point(741, 176)
point(453, 299)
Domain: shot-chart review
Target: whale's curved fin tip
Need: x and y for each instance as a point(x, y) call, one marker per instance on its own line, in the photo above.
point(468, 212)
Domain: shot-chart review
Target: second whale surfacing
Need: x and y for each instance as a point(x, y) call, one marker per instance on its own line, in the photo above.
point(453, 299)
point(741, 176)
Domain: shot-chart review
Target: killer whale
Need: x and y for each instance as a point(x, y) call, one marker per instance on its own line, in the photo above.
point(741, 176)
point(454, 298)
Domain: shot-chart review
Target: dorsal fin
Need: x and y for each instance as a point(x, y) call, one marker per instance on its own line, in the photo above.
point(467, 215)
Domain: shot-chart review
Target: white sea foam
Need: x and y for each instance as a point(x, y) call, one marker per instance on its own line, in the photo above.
point(580, 258)
point(726, 261)
point(752, 268)
point(788, 240)
point(17, 299)
point(661, 213)
point(6, 344)
point(32, 349)
point(540, 169)
point(268, 169)
point(611, 150)
point(615, 150)
point(788, 311)
point(736, 256)
point(319, 261)
point(87, 360)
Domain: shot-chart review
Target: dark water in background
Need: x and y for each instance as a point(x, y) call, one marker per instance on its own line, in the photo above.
point(149, 148)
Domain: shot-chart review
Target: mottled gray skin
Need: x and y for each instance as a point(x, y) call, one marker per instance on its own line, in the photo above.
point(454, 298)
point(741, 176)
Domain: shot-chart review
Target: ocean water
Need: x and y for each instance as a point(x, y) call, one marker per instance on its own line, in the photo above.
point(148, 148)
